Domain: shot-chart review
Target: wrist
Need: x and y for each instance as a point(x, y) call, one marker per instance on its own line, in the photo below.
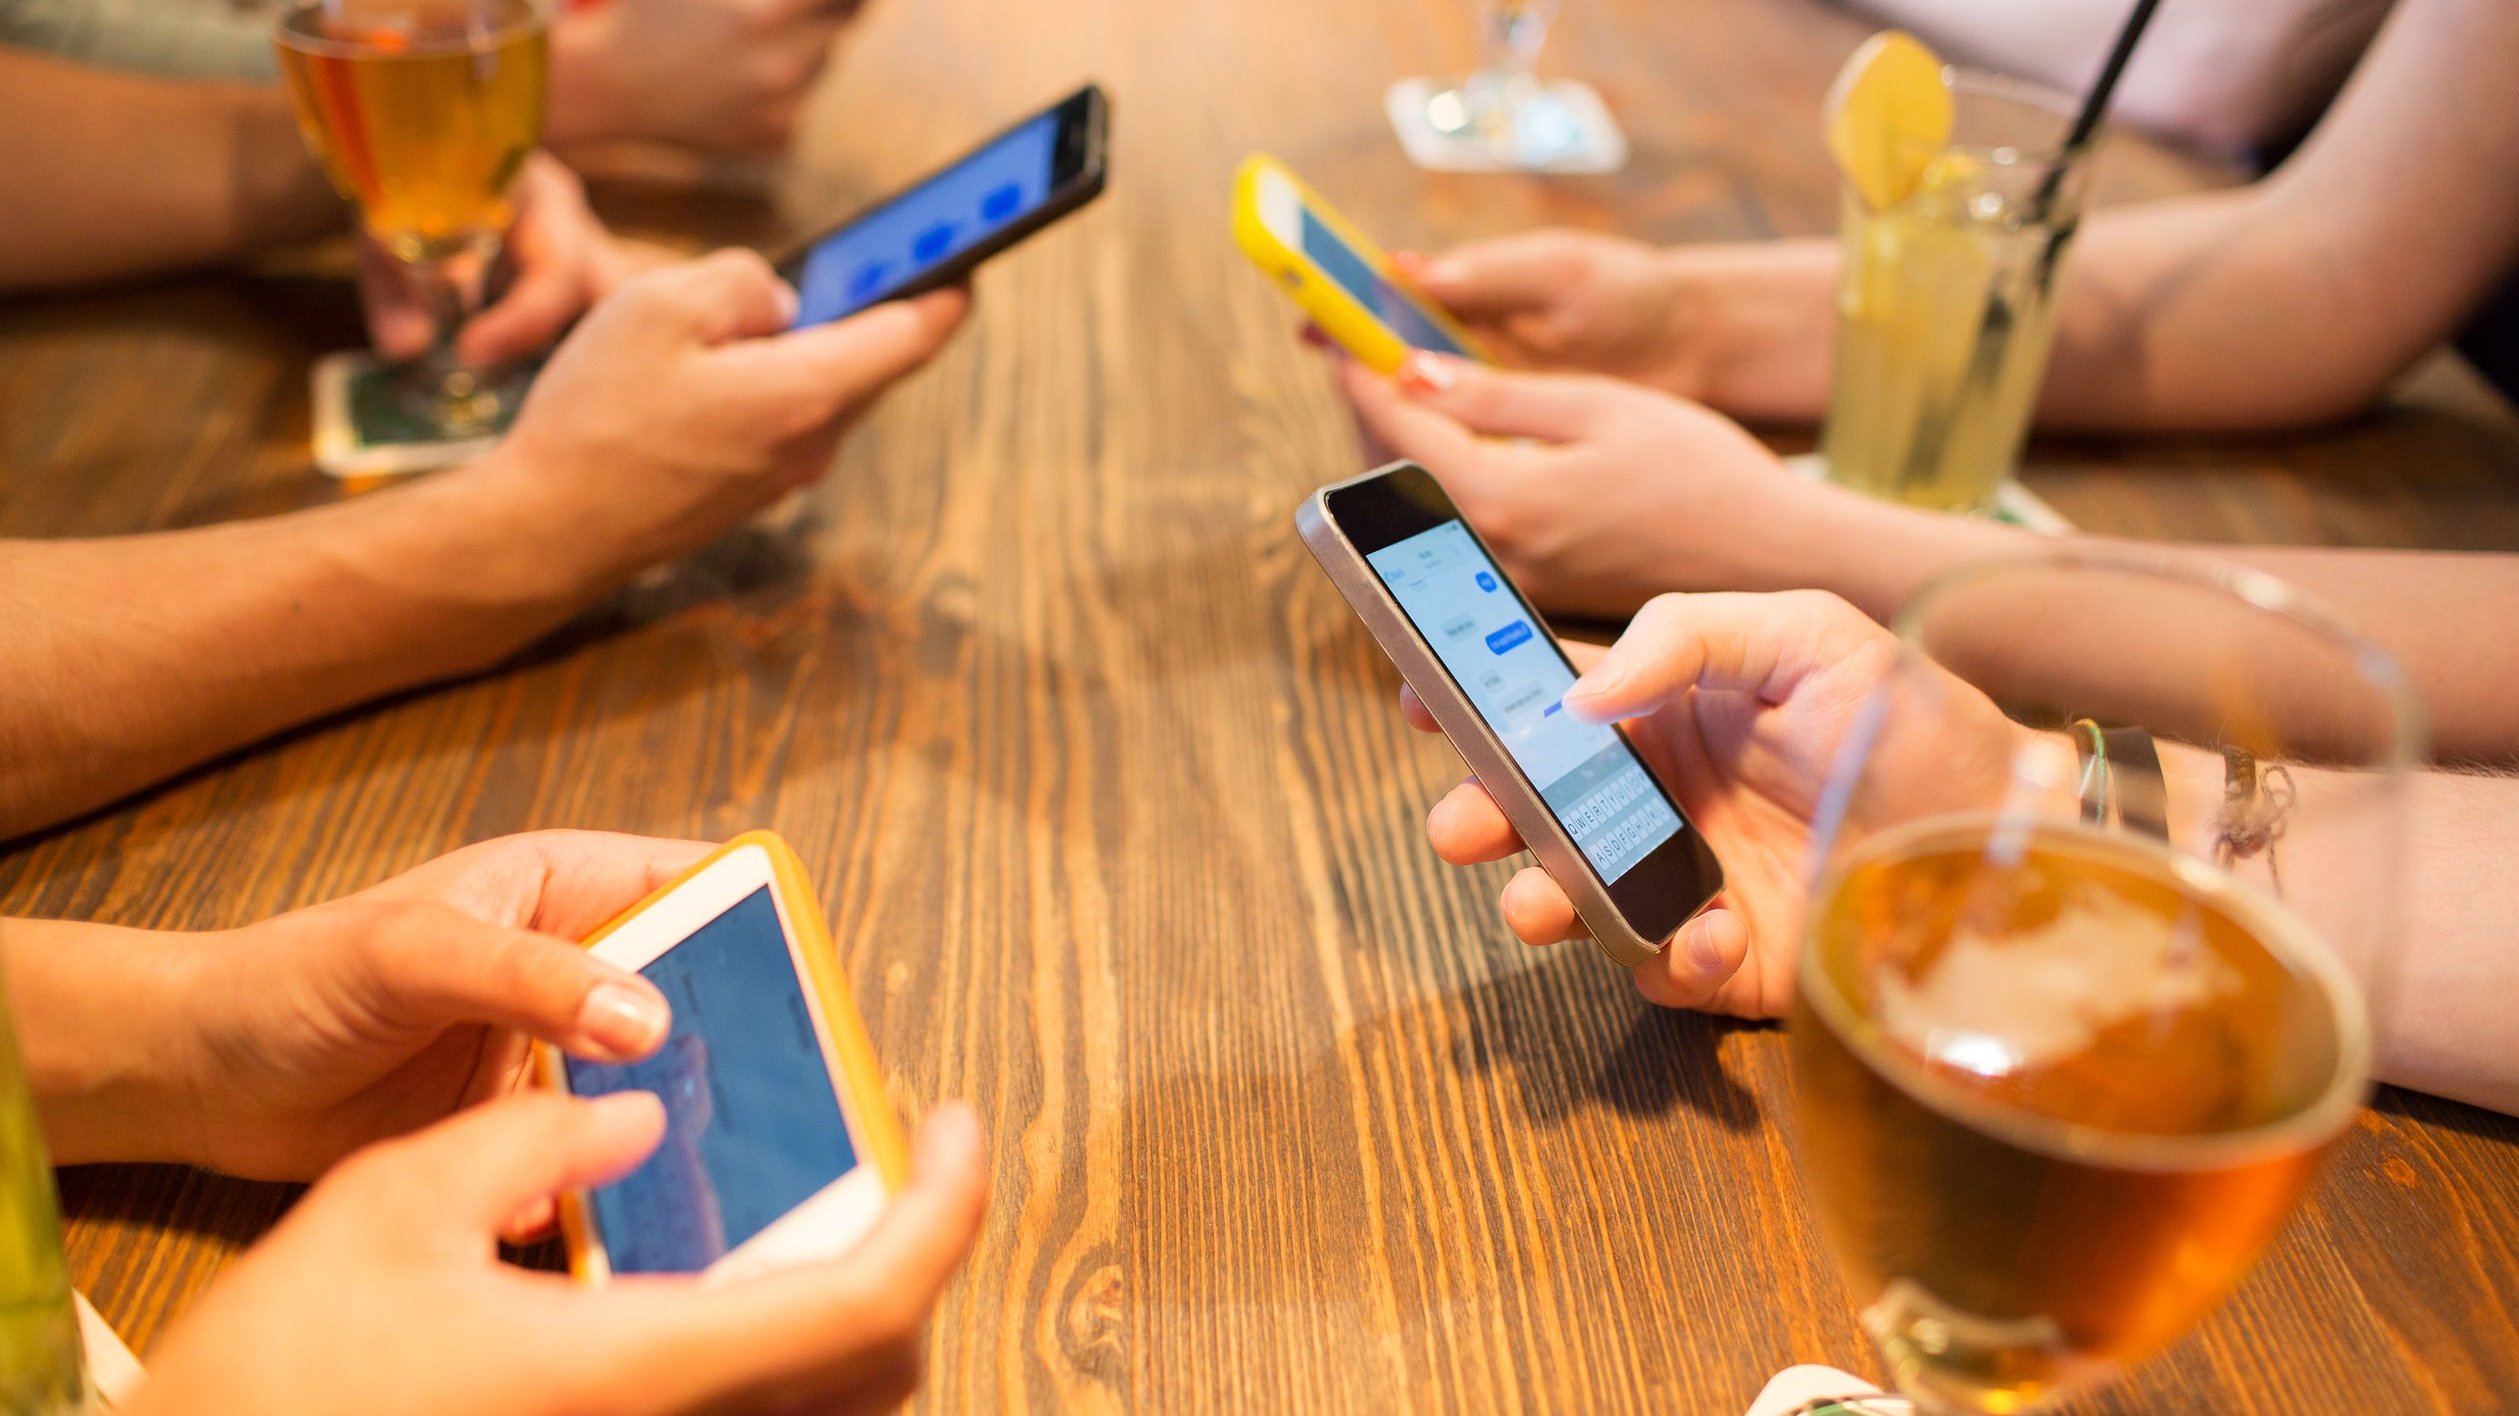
point(109, 1030)
point(1755, 326)
point(280, 192)
point(458, 570)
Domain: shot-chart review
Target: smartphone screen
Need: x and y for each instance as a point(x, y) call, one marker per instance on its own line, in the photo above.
point(884, 251)
point(752, 1121)
point(1516, 677)
point(1395, 308)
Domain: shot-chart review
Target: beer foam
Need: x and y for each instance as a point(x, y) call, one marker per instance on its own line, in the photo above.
point(1995, 1004)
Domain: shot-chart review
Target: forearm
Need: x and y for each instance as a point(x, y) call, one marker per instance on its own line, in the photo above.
point(2423, 928)
point(2425, 607)
point(2228, 312)
point(99, 1013)
point(136, 657)
point(136, 174)
point(1756, 327)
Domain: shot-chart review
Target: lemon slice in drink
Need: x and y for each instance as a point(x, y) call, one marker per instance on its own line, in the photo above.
point(1888, 115)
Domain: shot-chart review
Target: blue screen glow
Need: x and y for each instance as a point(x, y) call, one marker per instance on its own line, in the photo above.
point(1393, 307)
point(871, 258)
point(752, 1126)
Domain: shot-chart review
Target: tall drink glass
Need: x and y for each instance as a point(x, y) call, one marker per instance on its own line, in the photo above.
point(2069, 1039)
point(422, 112)
point(1946, 302)
point(41, 1372)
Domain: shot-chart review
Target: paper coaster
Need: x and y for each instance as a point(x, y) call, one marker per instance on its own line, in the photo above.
point(112, 1371)
point(2013, 504)
point(1564, 128)
point(1797, 1390)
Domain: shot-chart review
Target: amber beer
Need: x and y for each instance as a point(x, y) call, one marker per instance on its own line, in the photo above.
point(2055, 1092)
point(423, 125)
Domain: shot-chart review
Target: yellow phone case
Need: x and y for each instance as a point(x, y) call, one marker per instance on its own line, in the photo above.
point(1340, 315)
point(860, 1075)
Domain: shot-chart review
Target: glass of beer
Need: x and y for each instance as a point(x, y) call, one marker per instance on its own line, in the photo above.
point(1946, 302)
point(2107, 883)
point(422, 112)
point(41, 1369)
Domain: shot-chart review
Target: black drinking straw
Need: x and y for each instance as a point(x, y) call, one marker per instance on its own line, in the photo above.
point(2094, 106)
point(1994, 327)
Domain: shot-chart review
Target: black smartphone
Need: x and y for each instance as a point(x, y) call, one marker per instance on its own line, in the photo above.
point(1492, 675)
point(937, 232)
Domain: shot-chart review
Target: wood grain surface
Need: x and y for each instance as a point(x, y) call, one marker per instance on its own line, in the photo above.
point(1108, 793)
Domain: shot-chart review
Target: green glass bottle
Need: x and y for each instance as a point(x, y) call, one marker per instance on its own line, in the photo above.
point(41, 1373)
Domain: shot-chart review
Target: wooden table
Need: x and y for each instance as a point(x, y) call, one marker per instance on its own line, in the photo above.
point(1110, 800)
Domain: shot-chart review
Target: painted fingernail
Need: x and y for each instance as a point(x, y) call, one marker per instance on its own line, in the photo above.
point(1423, 373)
point(624, 1018)
point(1311, 334)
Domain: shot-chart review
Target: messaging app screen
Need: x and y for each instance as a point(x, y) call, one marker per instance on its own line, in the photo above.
point(1517, 680)
point(864, 262)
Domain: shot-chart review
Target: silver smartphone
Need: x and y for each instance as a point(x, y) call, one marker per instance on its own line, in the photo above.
point(1492, 675)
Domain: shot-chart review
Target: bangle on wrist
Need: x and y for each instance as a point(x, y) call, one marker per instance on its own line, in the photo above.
point(2121, 778)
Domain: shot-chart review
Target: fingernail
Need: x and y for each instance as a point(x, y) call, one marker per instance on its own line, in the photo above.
point(1583, 697)
point(1311, 334)
point(1424, 373)
point(787, 303)
point(1701, 952)
point(624, 1018)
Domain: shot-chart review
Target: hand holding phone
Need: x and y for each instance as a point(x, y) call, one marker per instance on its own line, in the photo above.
point(1485, 666)
point(780, 1147)
point(938, 231)
point(1342, 281)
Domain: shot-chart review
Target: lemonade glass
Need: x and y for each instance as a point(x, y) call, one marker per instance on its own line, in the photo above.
point(1946, 302)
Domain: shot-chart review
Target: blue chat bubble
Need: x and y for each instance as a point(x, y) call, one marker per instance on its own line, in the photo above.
point(1509, 637)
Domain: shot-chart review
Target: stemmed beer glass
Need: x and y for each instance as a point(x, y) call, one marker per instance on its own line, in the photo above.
point(422, 112)
point(2086, 992)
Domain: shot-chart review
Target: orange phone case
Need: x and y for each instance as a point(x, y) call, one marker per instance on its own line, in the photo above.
point(861, 1077)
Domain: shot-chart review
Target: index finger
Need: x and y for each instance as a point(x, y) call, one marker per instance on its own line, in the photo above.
point(567, 883)
point(841, 364)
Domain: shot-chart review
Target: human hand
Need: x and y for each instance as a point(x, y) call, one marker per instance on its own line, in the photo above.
point(304, 1037)
point(685, 403)
point(382, 1291)
point(560, 261)
point(1596, 493)
point(1739, 704)
point(1567, 301)
point(707, 75)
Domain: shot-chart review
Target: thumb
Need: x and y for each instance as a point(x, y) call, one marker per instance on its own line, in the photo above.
point(1492, 279)
point(719, 298)
point(1485, 399)
point(774, 1328)
point(428, 966)
point(1762, 644)
point(481, 1167)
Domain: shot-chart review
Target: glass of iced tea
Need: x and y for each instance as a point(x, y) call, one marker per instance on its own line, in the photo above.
point(1946, 302)
point(41, 1369)
point(2088, 984)
point(422, 112)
